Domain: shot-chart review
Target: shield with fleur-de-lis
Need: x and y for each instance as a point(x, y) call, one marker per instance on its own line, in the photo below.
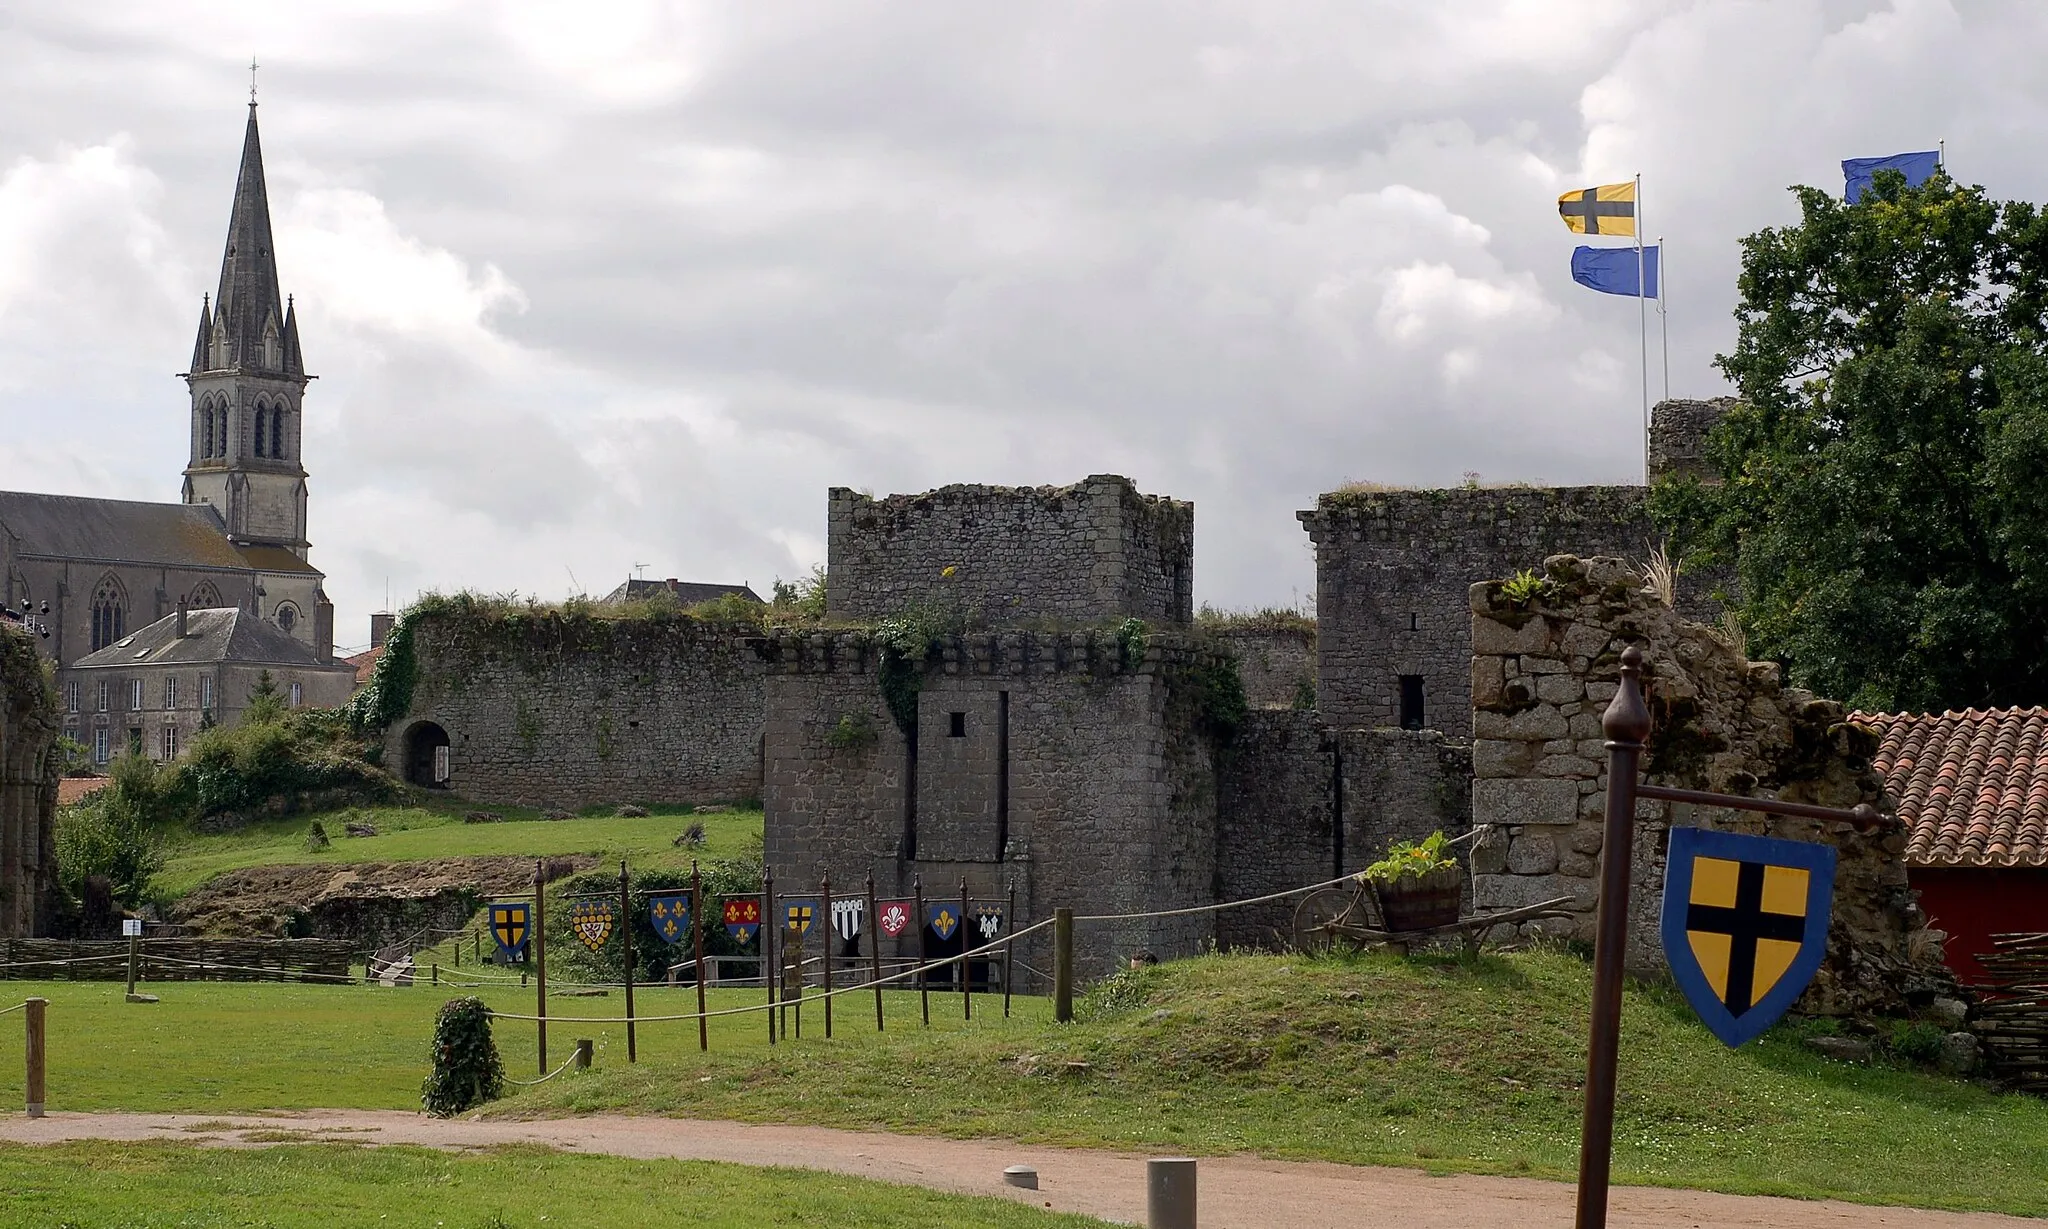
point(944, 919)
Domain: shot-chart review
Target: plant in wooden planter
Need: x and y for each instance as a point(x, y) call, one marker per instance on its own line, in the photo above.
point(1418, 884)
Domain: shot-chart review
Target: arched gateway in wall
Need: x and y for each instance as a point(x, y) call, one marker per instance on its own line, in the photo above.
point(426, 755)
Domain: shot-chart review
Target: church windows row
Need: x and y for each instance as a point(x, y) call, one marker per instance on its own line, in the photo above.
point(205, 597)
point(268, 429)
point(272, 444)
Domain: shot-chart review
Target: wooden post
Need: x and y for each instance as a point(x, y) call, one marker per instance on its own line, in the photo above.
point(134, 958)
point(697, 939)
point(437, 972)
point(873, 925)
point(36, 1027)
point(1009, 947)
point(1626, 723)
point(966, 982)
point(626, 938)
point(825, 907)
point(770, 971)
point(1063, 965)
point(924, 976)
point(583, 1049)
point(458, 949)
point(539, 940)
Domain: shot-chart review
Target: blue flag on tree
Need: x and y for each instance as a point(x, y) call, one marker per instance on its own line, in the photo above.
point(1614, 270)
point(1859, 173)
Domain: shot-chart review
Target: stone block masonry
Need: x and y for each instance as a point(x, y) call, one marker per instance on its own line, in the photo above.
point(1542, 672)
point(548, 710)
point(1048, 761)
point(1013, 556)
point(28, 789)
point(1276, 660)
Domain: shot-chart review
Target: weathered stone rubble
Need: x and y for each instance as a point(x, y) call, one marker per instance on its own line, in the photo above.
point(1543, 671)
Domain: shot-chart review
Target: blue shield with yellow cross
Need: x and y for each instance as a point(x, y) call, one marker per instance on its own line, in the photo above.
point(1745, 924)
point(510, 923)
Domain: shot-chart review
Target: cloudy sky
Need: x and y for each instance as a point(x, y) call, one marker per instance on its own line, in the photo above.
point(589, 287)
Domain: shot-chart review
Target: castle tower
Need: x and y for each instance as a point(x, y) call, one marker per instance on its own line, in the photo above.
point(248, 381)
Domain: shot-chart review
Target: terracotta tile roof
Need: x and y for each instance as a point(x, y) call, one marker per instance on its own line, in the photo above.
point(1972, 786)
point(365, 663)
point(71, 789)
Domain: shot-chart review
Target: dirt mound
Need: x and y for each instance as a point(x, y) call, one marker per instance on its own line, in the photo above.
point(373, 904)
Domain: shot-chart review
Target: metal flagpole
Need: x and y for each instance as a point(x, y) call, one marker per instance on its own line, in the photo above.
point(1663, 316)
point(1643, 329)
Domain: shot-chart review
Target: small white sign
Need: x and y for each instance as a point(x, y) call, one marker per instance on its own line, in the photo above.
point(131, 928)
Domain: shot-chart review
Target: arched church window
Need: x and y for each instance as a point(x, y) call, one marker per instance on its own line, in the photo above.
point(220, 435)
point(277, 433)
point(287, 616)
point(109, 613)
point(206, 430)
point(262, 416)
point(205, 596)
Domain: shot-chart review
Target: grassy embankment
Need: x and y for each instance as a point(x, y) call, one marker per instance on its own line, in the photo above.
point(313, 1186)
point(1375, 1059)
point(414, 833)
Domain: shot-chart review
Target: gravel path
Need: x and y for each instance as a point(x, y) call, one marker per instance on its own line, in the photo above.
point(1236, 1192)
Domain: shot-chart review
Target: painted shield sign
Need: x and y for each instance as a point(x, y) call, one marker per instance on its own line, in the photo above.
point(944, 920)
point(592, 920)
point(846, 915)
point(1745, 924)
point(798, 914)
point(895, 917)
point(510, 925)
point(670, 913)
point(988, 921)
point(742, 918)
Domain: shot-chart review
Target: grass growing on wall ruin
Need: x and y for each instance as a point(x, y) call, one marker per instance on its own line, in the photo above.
point(415, 833)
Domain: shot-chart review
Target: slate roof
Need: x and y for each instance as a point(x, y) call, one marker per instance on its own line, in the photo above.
point(688, 593)
point(119, 530)
point(225, 635)
point(1972, 786)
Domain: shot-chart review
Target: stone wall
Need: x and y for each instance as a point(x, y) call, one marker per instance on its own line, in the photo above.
point(1543, 671)
point(1392, 569)
point(1009, 556)
point(28, 789)
point(552, 711)
point(1078, 777)
point(1276, 661)
point(1678, 436)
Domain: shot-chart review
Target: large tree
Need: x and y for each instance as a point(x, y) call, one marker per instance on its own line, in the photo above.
point(1884, 493)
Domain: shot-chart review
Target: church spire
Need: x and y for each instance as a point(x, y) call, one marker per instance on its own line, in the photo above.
point(248, 311)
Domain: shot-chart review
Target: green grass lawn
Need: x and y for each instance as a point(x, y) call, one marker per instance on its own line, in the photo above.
point(1368, 1059)
point(96, 1185)
point(412, 833)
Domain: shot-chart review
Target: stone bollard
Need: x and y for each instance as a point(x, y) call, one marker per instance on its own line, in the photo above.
point(1170, 1193)
point(1021, 1176)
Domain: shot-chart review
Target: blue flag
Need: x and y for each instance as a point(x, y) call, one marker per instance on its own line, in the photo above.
point(1613, 270)
point(1859, 173)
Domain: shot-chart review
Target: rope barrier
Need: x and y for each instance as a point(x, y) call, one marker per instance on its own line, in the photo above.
point(1231, 904)
point(281, 974)
point(980, 953)
point(549, 1076)
point(16, 1007)
point(38, 964)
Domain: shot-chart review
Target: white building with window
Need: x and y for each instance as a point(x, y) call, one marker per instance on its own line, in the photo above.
point(203, 665)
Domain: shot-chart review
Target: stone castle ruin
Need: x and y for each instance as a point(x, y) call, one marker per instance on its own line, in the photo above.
point(29, 725)
point(1010, 689)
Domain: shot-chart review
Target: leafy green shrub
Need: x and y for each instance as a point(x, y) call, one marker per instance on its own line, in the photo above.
point(1524, 587)
point(1915, 1041)
point(1413, 860)
point(270, 764)
point(113, 834)
point(467, 1070)
point(804, 598)
point(1130, 641)
point(852, 732)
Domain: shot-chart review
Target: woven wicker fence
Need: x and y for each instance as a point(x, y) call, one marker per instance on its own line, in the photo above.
point(305, 960)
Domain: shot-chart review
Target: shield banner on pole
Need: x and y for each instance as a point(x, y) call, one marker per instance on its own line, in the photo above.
point(846, 918)
point(510, 925)
point(742, 918)
point(799, 914)
point(894, 917)
point(943, 918)
point(670, 913)
point(988, 922)
point(592, 920)
point(1744, 924)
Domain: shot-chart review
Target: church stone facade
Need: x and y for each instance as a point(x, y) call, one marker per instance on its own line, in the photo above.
point(237, 540)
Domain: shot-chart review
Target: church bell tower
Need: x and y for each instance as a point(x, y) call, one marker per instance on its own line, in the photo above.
point(248, 382)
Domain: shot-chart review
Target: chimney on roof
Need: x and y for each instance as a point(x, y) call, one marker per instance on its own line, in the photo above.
point(380, 628)
point(671, 582)
point(182, 603)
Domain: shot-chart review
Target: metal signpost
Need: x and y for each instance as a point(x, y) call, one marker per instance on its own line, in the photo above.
point(1626, 724)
